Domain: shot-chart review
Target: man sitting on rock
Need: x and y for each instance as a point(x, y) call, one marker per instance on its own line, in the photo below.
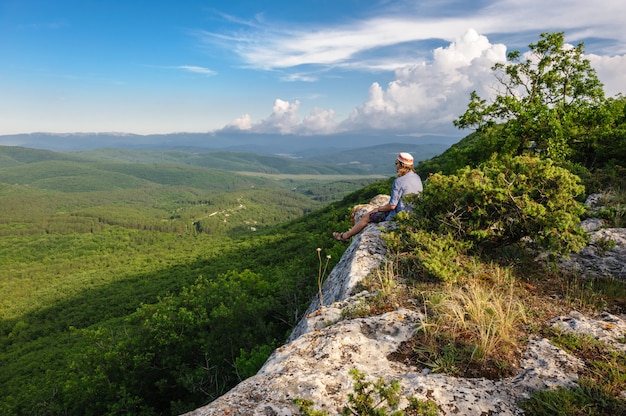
point(407, 182)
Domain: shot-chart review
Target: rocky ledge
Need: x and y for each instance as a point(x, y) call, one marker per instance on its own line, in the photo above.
point(324, 347)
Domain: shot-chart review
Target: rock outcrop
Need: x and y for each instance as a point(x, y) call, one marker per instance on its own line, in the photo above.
point(324, 347)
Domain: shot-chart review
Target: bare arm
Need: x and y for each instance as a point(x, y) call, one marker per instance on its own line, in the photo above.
point(384, 208)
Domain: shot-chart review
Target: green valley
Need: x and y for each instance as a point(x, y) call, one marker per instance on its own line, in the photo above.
point(90, 248)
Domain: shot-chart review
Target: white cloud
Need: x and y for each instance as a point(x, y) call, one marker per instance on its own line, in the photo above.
point(356, 44)
point(284, 120)
point(334, 46)
point(197, 69)
point(430, 87)
point(319, 121)
point(612, 72)
point(425, 98)
point(242, 123)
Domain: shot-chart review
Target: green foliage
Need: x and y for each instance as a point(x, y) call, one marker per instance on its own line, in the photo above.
point(438, 255)
point(249, 362)
point(182, 346)
point(102, 309)
point(378, 398)
point(373, 398)
point(421, 407)
point(306, 408)
point(584, 400)
point(543, 102)
point(601, 136)
point(504, 201)
point(597, 146)
point(470, 151)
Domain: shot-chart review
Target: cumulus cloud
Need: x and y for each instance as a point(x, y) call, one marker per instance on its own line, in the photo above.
point(426, 97)
point(242, 123)
point(284, 119)
point(423, 98)
point(430, 87)
point(319, 121)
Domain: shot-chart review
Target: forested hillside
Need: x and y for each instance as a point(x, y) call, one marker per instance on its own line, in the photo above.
point(90, 247)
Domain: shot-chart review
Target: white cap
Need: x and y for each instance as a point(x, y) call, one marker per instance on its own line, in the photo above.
point(405, 158)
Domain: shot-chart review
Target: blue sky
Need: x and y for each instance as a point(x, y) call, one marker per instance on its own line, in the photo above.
point(279, 67)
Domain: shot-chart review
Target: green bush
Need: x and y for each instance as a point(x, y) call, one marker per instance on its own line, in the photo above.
point(505, 201)
point(437, 256)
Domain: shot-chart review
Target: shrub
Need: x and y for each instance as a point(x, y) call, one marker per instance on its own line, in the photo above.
point(438, 256)
point(505, 201)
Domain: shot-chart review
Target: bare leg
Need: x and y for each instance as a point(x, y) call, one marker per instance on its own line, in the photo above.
point(357, 228)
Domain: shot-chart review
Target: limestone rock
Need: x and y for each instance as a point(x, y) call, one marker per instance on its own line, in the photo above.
point(359, 210)
point(364, 254)
point(605, 327)
point(604, 256)
point(316, 366)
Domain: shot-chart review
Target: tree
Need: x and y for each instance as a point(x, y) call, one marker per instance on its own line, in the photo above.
point(603, 138)
point(540, 101)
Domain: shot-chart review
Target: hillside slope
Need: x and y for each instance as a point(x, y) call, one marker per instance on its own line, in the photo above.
point(315, 365)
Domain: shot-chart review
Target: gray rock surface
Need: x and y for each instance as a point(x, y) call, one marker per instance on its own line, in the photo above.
point(605, 255)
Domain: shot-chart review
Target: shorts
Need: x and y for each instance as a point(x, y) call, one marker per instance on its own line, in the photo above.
point(378, 217)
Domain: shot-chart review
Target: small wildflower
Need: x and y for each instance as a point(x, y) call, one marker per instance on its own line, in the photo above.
point(320, 276)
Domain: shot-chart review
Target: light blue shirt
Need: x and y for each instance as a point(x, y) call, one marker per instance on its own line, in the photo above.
point(410, 183)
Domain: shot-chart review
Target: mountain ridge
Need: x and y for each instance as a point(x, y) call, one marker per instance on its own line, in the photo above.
point(358, 161)
point(251, 142)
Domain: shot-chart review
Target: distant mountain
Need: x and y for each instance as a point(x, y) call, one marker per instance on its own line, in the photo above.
point(378, 158)
point(17, 155)
point(295, 146)
point(374, 160)
point(366, 160)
